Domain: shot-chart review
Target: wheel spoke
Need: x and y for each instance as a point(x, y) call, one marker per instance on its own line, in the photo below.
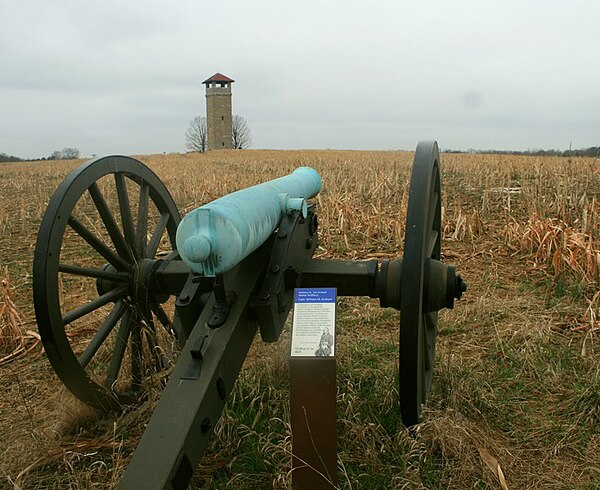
point(136, 352)
point(96, 244)
point(142, 218)
point(161, 361)
point(109, 221)
point(431, 332)
point(125, 209)
point(432, 239)
point(422, 372)
point(100, 301)
point(96, 273)
point(107, 325)
point(432, 209)
point(425, 345)
point(161, 226)
point(163, 318)
point(432, 231)
point(119, 350)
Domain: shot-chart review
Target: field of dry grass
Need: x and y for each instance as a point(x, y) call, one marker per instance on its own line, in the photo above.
point(516, 396)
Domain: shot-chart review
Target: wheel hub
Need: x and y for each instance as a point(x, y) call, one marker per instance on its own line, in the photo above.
point(141, 284)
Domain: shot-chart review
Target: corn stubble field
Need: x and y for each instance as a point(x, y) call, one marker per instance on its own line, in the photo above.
point(516, 395)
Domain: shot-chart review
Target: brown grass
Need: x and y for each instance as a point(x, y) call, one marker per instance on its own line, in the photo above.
point(14, 341)
point(515, 400)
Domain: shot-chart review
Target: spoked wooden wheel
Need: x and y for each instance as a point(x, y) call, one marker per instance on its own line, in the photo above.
point(422, 242)
point(104, 326)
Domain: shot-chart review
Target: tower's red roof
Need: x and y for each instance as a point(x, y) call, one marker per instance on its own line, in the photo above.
point(218, 77)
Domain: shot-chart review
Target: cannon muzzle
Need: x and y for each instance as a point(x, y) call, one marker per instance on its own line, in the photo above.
point(215, 237)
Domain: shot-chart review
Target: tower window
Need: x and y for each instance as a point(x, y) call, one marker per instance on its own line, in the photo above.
point(223, 143)
point(222, 118)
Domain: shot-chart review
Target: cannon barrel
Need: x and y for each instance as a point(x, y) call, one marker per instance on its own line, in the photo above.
point(215, 237)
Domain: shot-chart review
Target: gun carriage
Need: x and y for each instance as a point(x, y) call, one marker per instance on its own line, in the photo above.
point(187, 296)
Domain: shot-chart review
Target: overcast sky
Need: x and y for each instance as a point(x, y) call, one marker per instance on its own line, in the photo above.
point(126, 76)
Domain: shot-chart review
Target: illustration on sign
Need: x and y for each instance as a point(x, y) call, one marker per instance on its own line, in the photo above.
point(313, 331)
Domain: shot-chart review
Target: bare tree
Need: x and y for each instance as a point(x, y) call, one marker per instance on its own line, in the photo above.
point(65, 154)
point(196, 135)
point(70, 153)
point(240, 133)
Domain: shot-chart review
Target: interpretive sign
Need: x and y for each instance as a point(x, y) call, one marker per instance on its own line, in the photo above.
point(313, 332)
point(313, 413)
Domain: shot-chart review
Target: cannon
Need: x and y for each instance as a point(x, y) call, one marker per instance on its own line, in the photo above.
point(127, 294)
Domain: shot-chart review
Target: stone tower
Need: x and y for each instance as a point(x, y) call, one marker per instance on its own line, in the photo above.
point(218, 111)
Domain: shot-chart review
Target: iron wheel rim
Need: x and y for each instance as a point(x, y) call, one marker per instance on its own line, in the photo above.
point(422, 242)
point(127, 310)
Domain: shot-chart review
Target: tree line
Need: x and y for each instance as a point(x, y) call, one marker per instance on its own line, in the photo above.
point(64, 154)
point(9, 158)
point(592, 151)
